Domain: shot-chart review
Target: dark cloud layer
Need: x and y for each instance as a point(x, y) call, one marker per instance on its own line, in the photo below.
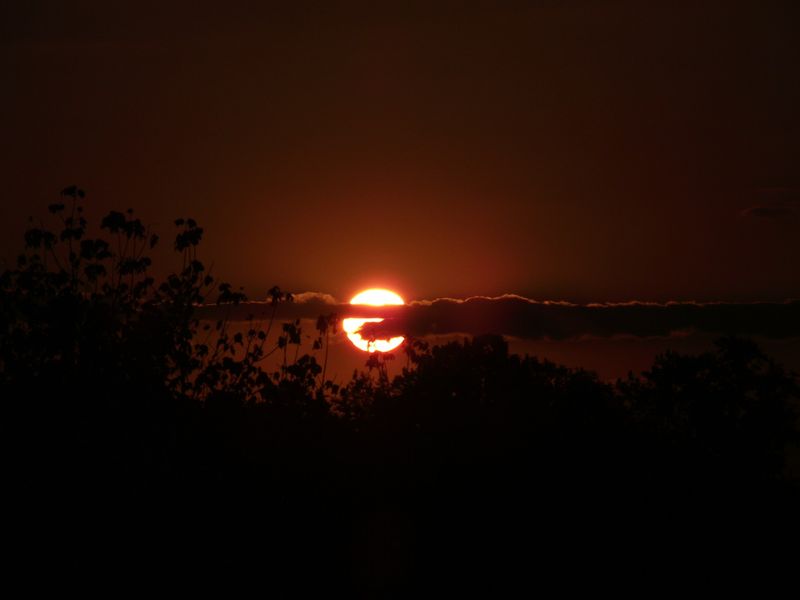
point(770, 212)
point(777, 203)
point(524, 318)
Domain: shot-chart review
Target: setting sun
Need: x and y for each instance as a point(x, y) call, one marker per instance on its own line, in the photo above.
point(372, 297)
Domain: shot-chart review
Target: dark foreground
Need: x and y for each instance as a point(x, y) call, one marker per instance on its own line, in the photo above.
point(141, 447)
point(475, 468)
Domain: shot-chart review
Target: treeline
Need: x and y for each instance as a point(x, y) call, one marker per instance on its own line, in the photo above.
point(157, 443)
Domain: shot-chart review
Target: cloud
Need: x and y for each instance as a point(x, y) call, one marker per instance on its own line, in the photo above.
point(520, 317)
point(528, 319)
point(770, 212)
point(306, 305)
point(777, 203)
point(314, 297)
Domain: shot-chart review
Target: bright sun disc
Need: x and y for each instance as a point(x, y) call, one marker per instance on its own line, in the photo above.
point(372, 297)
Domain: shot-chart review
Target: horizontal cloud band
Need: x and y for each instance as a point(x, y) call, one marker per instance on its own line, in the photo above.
point(524, 318)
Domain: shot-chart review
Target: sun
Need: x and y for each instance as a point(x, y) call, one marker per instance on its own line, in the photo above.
point(372, 297)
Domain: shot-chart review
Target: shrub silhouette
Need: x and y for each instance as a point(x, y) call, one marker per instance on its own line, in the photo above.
point(132, 424)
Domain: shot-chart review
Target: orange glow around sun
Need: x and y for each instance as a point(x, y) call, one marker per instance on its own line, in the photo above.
point(372, 297)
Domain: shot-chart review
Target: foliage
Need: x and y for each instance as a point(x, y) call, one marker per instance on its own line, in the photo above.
point(117, 400)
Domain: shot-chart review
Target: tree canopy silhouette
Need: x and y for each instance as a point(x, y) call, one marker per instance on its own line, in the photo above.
point(129, 421)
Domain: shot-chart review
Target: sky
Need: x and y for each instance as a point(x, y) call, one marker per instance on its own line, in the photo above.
point(588, 152)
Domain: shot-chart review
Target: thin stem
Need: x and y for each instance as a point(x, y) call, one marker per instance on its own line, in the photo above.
point(325, 361)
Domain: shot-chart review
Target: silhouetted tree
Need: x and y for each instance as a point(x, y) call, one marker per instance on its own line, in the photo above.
point(126, 418)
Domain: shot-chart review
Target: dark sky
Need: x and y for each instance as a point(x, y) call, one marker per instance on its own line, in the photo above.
point(589, 151)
